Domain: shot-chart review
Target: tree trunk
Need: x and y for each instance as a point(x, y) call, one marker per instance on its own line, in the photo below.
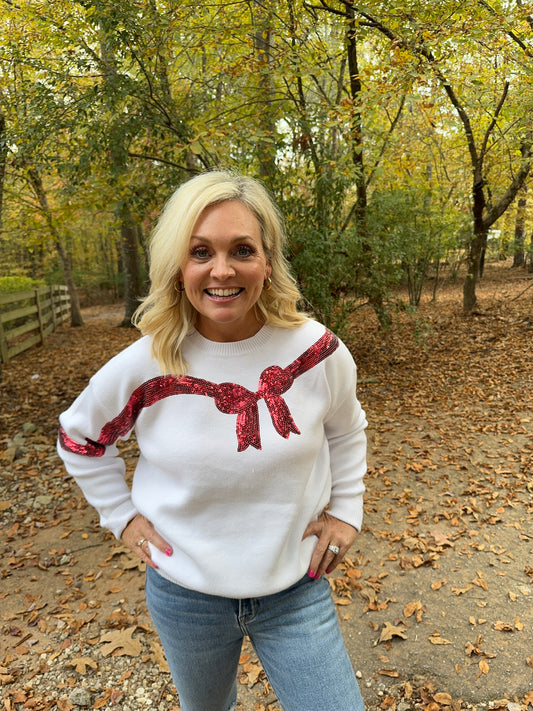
point(519, 255)
point(38, 188)
point(473, 265)
point(360, 212)
point(477, 243)
point(76, 318)
point(133, 287)
point(3, 160)
point(118, 154)
point(266, 145)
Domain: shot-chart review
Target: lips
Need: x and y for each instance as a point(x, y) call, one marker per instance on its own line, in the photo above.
point(223, 293)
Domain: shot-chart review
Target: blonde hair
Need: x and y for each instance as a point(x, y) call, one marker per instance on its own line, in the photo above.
point(166, 314)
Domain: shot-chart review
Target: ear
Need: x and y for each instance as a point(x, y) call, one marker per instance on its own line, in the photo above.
point(179, 286)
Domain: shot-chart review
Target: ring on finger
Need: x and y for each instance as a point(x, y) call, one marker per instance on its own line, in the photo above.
point(141, 542)
point(334, 549)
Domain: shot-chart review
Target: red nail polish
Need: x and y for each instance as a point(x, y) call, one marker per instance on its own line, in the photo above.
point(311, 574)
point(168, 551)
point(328, 572)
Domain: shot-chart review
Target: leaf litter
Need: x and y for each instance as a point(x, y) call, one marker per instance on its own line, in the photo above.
point(435, 596)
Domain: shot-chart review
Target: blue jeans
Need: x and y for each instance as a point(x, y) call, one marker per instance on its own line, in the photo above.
point(295, 634)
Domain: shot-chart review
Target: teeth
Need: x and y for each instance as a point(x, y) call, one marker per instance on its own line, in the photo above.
point(223, 292)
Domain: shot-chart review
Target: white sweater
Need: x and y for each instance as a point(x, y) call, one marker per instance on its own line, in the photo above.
point(236, 457)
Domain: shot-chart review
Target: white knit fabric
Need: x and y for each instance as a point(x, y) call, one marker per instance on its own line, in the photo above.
point(235, 519)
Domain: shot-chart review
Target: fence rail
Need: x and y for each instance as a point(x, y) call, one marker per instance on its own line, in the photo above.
point(27, 317)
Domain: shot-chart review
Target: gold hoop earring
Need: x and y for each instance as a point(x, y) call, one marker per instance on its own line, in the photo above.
point(267, 285)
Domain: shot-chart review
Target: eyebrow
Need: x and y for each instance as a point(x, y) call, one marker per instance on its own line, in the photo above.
point(233, 241)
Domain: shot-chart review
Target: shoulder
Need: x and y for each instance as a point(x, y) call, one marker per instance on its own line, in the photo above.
point(298, 337)
point(138, 352)
point(312, 333)
point(129, 368)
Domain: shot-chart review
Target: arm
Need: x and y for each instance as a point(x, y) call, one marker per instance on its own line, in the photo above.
point(99, 471)
point(344, 426)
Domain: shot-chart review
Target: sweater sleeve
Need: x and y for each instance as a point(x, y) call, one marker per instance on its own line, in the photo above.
point(345, 426)
point(99, 471)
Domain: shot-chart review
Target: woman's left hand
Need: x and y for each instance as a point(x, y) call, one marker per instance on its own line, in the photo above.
point(333, 532)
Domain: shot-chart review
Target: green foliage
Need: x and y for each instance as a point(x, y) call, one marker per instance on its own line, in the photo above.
point(113, 105)
point(411, 232)
point(319, 264)
point(319, 248)
point(12, 284)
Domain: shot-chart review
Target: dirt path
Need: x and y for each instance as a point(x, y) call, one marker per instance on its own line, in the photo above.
point(436, 597)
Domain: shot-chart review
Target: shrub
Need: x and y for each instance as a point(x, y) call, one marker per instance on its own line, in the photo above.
point(10, 284)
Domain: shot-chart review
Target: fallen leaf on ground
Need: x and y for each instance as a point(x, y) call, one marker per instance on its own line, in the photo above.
point(443, 699)
point(414, 608)
point(389, 631)
point(480, 582)
point(438, 584)
point(462, 591)
point(80, 664)
point(159, 656)
point(441, 539)
point(120, 643)
point(500, 626)
point(437, 639)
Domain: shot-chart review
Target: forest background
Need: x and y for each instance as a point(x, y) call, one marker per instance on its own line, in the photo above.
point(395, 136)
point(397, 139)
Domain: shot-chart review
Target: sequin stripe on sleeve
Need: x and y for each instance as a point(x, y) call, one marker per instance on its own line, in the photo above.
point(324, 347)
point(145, 395)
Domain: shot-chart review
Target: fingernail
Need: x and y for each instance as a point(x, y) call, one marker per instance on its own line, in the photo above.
point(317, 576)
point(328, 571)
point(168, 551)
point(311, 574)
point(155, 566)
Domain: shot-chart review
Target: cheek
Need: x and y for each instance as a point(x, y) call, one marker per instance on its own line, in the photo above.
point(259, 275)
point(191, 274)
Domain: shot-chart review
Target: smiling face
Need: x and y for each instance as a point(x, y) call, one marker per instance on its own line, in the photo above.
point(225, 270)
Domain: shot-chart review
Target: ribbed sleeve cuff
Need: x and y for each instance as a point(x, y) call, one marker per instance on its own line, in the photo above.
point(117, 521)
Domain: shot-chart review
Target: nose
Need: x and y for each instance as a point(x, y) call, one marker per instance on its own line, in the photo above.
point(222, 267)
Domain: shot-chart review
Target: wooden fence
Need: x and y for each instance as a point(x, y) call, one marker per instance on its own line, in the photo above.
point(26, 317)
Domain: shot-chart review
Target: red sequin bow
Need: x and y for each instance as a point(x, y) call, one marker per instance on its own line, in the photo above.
point(230, 398)
point(237, 400)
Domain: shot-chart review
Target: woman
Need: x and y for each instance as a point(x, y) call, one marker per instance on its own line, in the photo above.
point(248, 487)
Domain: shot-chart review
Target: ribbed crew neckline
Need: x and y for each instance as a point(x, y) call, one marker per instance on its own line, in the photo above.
point(232, 348)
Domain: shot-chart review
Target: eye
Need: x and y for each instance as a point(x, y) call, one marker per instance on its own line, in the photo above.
point(245, 250)
point(199, 252)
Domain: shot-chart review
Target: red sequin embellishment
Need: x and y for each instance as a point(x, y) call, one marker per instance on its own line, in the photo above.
point(230, 398)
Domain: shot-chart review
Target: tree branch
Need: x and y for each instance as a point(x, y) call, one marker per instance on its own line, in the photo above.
point(324, 6)
point(392, 126)
point(490, 127)
point(507, 198)
point(511, 34)
point(158, 159)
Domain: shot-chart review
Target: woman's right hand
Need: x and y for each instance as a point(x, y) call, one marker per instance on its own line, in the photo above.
point(138, 533)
